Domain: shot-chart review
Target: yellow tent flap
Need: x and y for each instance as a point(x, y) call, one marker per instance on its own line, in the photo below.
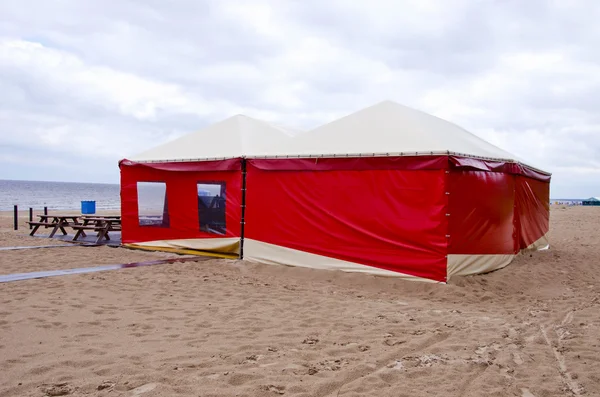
point(182, 251)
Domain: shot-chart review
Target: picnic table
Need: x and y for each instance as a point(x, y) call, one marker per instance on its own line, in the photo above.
point(56, 222)
point(100, 224)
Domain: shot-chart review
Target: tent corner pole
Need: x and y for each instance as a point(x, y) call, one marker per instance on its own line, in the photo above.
point(243, 209)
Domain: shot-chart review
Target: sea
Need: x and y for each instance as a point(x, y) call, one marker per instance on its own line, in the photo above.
point(57, 195)
point(69, 195)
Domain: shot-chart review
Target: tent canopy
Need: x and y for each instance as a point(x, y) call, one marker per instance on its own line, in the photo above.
point(384, 129)
point(391, 128)
point(237, 136)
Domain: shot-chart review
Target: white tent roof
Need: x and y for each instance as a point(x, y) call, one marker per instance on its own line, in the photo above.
point(390, 128)
point(237, 136)
point(384, 129)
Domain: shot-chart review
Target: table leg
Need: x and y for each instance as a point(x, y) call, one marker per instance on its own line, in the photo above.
point(54, 230)
point(85, 223)
point(101, 234)
point(35, 228)
point(76, 236)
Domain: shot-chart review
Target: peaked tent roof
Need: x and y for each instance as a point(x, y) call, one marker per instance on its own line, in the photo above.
point(237, 136)
point(389, 128)
point(384, 129)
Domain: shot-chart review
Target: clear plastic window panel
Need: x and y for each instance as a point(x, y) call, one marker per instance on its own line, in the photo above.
point(211, 207)
point(152, 204)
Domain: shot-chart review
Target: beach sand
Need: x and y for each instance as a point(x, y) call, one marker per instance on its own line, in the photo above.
point(228, 328)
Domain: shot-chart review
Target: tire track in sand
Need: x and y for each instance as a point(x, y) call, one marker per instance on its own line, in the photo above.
point(571, 385)
point(333, 388)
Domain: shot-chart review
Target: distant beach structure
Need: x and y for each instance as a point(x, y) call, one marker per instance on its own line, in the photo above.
point(592, 201)
point(566, 201)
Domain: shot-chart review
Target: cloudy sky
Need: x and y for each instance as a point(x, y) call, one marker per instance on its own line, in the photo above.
point(85, 83)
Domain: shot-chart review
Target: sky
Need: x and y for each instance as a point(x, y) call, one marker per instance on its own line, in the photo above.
point(84, 84)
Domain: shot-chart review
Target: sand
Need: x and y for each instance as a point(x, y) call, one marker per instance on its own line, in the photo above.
point(229, 328)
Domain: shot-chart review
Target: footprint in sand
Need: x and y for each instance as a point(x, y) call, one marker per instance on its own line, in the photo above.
point(274, 389)
point(517, 359)
point(526, 393)
point(143, 389)
point(59, 389)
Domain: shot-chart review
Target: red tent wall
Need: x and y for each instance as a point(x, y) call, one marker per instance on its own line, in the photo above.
point(182, 195)
point(500, 211)
point(403, 214)
point(384, 212)
point(481, 213)
point(533, 209)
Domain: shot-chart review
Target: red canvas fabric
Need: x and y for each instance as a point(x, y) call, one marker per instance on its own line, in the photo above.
point(186, 166)
point(389, 219)
point(352, 163)
point(481, 213)
point(392, 213)
point(181, 181)
point(533, 210)
point(467, 163)
point(398, 163)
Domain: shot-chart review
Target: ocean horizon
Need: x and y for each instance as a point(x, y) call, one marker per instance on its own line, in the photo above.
point(69, 195)
point(57, 195)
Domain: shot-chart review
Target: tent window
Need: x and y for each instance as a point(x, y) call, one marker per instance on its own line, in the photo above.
point(211, 207)
point(152, 204)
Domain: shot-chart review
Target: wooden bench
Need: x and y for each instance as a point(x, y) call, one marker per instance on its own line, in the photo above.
point(102, 230)
point(37, 225)
point(87, 227)
point(55, 221)
point(55, 226)
point(80, 230)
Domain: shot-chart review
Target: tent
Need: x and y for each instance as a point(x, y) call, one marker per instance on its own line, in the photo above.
point(387, 190)
point(187, 194)
point(592, 201)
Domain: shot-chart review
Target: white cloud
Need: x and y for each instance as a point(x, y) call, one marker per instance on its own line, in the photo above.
point(102, 80)
point(122, 92)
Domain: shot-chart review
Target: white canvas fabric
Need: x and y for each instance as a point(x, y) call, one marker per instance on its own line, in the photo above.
point(237, 136)
point(270, 254)
point(391, 128)
point(385, 129)
point(465, 265)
